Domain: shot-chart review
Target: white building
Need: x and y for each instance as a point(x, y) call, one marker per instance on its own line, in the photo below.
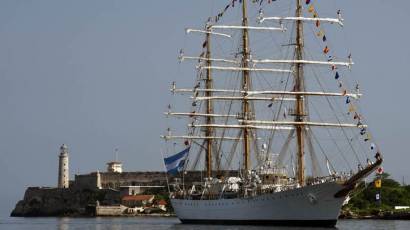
point(114, 166)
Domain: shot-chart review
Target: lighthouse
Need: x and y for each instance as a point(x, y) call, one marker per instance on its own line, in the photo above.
point(63, 175)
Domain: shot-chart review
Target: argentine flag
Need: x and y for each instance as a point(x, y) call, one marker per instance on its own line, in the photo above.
point(175, 163)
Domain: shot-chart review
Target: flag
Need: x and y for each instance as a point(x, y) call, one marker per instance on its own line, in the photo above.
point(363, 131)
point(326, 50)
point(378, 197)
point(311, 9)
point(337, 75)
point(378, 183)
point(175, 163)
point(368, 137)
point(352, 108)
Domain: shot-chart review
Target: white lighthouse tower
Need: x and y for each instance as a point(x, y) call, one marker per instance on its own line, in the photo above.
point(63, 174)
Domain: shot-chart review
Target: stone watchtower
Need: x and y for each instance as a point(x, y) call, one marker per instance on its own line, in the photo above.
point(63, 175)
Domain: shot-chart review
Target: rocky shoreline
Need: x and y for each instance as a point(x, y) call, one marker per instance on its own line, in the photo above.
point(46, 202)
point(382, 215)
point(43, 201)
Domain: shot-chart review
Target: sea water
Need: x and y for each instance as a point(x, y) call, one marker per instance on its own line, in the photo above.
point(136, 223)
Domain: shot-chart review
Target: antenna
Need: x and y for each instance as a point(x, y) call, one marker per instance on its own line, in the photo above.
point(116, 154)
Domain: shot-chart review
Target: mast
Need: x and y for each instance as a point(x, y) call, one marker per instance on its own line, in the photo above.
point(245, 86)
point(299, 87)
point(209, 106)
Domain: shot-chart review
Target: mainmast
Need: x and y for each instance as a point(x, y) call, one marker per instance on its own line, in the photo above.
point(299, 87)
point(245, 86)
point(209, 106)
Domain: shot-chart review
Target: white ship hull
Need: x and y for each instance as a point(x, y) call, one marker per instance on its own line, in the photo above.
point(313, 205)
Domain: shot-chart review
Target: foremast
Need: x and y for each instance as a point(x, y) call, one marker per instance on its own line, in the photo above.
point(246, 114)
point(299, 87)
point(209, 105)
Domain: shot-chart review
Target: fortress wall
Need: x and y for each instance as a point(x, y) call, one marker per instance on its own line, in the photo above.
point(86, 181)
point(114, 180)
point(116, 210)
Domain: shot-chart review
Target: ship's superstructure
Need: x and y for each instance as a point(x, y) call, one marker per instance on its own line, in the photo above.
point(260, 106)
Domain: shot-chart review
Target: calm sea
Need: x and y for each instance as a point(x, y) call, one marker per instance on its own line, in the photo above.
point(136, 223)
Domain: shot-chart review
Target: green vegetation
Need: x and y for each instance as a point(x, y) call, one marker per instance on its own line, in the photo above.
point(363, 201)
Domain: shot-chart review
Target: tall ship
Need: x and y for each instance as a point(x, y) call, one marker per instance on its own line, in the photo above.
point(269, 130)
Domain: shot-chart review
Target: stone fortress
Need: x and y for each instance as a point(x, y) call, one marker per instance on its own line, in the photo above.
point(115, 178)
point(79, 197)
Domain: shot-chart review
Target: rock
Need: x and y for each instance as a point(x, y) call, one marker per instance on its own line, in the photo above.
point(62, 202)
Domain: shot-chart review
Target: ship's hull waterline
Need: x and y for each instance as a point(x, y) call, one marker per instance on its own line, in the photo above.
point(313, 205)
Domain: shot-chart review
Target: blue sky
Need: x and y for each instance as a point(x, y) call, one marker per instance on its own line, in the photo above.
point(95, 75)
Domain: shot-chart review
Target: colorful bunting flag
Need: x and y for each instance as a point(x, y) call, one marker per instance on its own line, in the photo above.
point(368, 137)
point(363, 131)
point(378, 196)
point(378, 183)
point(326, 50)
point(352, 108)
point(337, 75)
point(311, 9)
